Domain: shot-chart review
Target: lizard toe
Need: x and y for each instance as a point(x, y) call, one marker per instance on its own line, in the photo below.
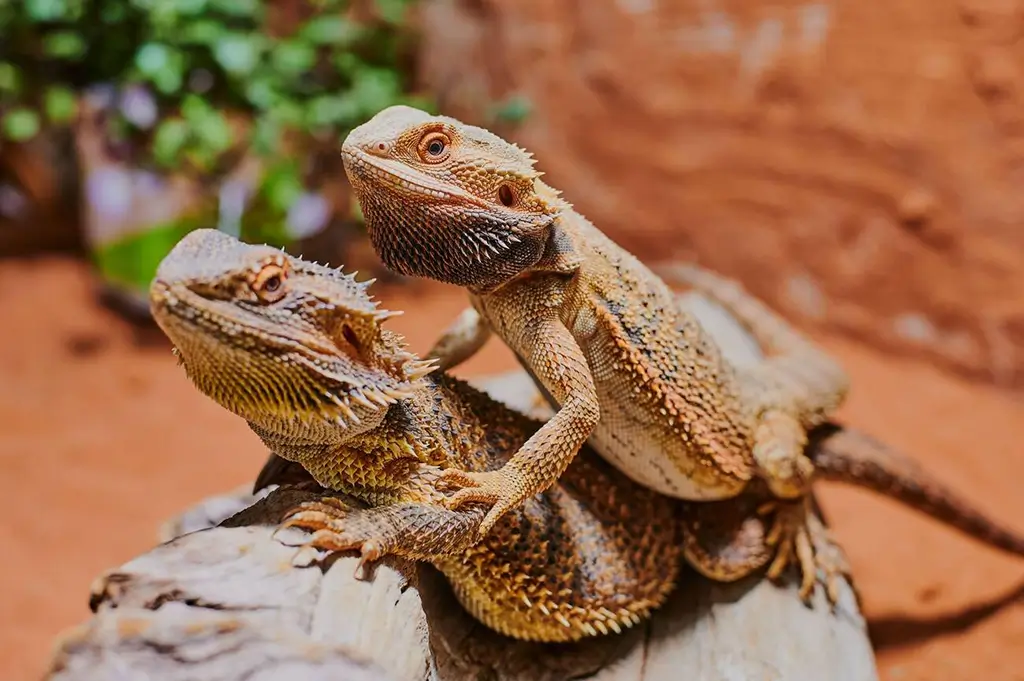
point(454, 478)
point(800, 538)
point(333, 540)
point(470, 495)
point(500, 508)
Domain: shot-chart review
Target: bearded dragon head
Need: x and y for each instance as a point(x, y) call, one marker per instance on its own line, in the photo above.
point(293, 347)
point(448, 201)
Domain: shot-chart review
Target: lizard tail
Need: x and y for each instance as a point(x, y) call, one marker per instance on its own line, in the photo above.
point(852, 457)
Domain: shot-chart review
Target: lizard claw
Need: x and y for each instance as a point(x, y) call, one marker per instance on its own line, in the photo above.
point(326, 520)
point(489, 487)
point(798, 536)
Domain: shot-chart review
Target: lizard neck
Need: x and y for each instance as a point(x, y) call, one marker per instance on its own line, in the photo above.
point(445, 424)
point(377, 464)
point(562, 254)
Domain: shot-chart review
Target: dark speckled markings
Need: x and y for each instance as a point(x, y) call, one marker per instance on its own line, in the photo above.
point(297, 350)
point(631, 371)
point(591, 555)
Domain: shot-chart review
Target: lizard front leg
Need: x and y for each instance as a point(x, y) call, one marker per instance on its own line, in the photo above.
point(414, 530)
point(561, 366)
point(461, 340)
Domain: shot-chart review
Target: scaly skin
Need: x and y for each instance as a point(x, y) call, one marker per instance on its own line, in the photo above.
point(592, 554)
point(600, 333)
point(296, 349)
point(620, 361)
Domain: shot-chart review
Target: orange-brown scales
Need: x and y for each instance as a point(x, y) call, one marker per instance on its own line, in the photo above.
point(600, 333)
point(297, 350)
point(623, 364)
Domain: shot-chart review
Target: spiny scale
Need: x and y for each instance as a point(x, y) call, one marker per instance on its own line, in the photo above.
point(643, 554)
point(420, 368)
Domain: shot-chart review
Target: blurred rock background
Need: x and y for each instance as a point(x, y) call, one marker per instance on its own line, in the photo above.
point(857, 165)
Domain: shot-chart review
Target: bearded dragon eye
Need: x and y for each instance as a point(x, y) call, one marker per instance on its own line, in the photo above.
point(434, 147)
point(268, 283)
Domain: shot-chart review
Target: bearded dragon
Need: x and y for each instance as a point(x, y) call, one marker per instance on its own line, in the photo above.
point(603, 337)
point(298, 351)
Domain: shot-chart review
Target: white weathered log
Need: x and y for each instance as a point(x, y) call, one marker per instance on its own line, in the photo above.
point(226, 603)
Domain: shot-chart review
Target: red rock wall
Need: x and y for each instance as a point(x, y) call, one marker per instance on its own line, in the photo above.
point(860, 165)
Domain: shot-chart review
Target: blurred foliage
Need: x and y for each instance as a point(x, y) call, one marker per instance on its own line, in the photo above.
point(513, 110)
point(179, 66)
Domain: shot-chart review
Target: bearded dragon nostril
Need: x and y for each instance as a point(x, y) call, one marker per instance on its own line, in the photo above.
point(378, 148)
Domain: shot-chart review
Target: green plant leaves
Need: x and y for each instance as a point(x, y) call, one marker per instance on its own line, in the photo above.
point(52, 10)
point(168, 141)
point(293, 57)
point(250, 9)
point(374, 89)
point(208, 129)
point(330, 110)
point(282, 185)
point(162, 65)
point(10, 79)
point(391, 11)
point(188, 7)
point(60, 104)
point(20, 125)
point(64, 45)
point(196, 60)
point(202, 32)
point(238, 53)
point(266, 136)
point(330, 30)
point(152, 57)
point(513, 110)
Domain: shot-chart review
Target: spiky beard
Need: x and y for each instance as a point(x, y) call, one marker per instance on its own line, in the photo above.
point(469, 247)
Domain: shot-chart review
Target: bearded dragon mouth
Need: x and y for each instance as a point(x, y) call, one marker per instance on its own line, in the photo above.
point(251, 366)
point(400, 177)
point(227, 321)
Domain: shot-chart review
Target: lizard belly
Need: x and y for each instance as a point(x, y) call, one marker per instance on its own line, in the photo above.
point(675, 451)
point(648, 456)
point(643, 452)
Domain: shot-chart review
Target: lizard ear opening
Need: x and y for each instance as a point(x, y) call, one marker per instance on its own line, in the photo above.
point(348, 334)
point(506, 195)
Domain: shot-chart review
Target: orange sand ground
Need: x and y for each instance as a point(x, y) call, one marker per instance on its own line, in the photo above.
point(102, 438)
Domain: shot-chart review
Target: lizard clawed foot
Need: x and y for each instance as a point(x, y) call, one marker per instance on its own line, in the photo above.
point(798, 535)
point(326, 520)
point(489, 487)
